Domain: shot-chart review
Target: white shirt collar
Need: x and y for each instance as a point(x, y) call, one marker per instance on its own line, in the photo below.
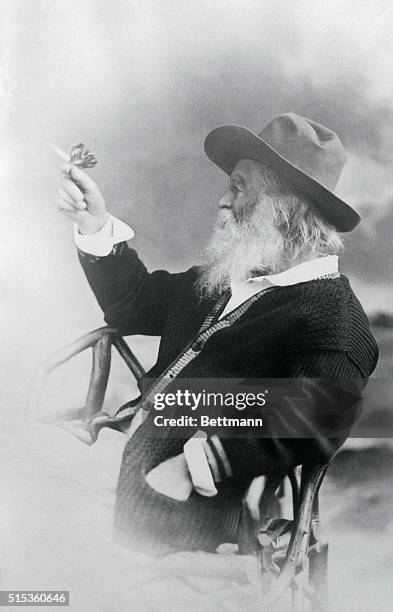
point(306, 271)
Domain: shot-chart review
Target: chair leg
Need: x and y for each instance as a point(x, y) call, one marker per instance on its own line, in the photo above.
point(298, 591)
point(98, 377)
point(318, 564)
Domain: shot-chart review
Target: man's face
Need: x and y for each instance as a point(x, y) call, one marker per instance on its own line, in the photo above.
point(244, 191)
point(246, 239)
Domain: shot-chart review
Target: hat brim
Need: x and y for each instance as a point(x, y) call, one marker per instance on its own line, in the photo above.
point(227, 144)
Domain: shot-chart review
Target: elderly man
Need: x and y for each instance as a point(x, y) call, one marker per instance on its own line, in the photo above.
point(268, 303)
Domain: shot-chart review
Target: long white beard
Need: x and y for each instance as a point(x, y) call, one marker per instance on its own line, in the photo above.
point(240, 249)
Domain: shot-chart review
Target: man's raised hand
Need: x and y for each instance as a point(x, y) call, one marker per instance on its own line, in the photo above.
point(79, 198)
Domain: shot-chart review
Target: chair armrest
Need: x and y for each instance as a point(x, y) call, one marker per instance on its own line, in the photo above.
point(100, 341)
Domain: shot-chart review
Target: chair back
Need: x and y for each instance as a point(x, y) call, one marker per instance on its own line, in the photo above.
point(257, 536)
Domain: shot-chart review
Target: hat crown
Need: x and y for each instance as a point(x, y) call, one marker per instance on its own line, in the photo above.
point(305, 153)
point(311, 147)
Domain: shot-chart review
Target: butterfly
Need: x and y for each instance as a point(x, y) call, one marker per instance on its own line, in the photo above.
point(80, 156)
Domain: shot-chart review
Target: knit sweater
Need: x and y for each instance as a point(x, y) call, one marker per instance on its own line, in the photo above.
point(315, 334)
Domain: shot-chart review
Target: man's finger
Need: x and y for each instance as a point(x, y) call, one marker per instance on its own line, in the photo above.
point(84, 182)
point(62, 194)
point(66, 168)
point(72, 190)
point(63, 206)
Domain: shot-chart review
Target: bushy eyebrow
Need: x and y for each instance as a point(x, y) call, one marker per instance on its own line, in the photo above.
point(237, 178)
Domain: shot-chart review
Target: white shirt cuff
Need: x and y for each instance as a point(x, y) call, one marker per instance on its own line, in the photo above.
point(102, 242)
point(198, 465)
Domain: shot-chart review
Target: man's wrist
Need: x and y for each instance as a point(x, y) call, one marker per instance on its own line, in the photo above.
point(89, 229)
point(103, 240)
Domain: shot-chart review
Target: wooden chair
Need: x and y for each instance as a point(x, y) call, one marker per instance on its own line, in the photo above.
point(299, 565)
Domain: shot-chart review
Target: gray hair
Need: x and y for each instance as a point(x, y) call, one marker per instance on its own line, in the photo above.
point(304, 230)
point(284, 230)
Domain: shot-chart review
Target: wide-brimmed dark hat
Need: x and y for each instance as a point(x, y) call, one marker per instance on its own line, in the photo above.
point(306, 153)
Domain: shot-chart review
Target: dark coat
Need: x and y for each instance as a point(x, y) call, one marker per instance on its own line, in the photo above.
point(314, 334)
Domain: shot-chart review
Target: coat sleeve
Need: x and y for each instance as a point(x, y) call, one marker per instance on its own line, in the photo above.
point(307, 419)
point(132, 299)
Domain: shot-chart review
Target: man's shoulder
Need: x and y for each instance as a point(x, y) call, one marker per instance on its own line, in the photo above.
point(331, 317)
point(312, 301)
point(327, 303)
point(323, 314)
point(331, 301)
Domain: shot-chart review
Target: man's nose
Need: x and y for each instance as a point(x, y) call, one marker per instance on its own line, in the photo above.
point(225, 200)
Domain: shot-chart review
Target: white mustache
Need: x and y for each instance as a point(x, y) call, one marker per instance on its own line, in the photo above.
point(225, 217)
